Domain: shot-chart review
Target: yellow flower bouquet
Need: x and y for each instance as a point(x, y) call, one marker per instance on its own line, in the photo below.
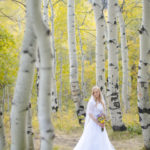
point(101, 119)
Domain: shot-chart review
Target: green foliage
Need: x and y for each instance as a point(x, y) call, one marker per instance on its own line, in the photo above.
point(8, 57)
point(65, 121)
point(134, 129)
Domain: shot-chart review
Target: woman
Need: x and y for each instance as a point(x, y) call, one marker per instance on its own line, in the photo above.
point(93, 137)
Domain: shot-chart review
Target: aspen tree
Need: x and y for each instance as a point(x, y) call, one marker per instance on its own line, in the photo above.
point(75, 91)
point(112, 89)
point(143, 75)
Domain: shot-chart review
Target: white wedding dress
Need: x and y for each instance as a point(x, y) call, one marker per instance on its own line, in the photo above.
point(93, 138)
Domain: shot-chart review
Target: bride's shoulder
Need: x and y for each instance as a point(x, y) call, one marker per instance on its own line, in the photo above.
point(92, 101)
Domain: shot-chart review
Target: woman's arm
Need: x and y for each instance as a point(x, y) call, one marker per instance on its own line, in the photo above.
point(94, 119)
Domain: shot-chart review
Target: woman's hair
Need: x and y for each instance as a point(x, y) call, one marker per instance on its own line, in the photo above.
point(100, 96)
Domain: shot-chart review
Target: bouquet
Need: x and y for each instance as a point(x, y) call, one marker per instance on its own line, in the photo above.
point(101, 119)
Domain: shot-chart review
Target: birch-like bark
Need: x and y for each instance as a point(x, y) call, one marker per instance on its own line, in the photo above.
point(45, 12)
point(143, 75)
point(54, 104)
point(75, 91)
point(82, 67)
point(43, 37)
point(100, 47)
point(112, 89)
point(23, 87)
point(124, 52)
point(2, 132)
point(30, 142)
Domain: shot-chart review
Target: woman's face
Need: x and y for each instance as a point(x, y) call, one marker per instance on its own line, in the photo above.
point(96, 93)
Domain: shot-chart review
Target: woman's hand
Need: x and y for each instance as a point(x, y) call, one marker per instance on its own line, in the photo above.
point(101, 125)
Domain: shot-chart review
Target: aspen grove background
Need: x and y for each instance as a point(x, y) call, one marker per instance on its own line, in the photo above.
point(57, 50)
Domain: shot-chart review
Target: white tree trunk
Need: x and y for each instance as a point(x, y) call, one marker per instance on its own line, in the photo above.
point(23, 87)
point(30, 142)
point(43, 37)
point(124, 51)
point(143, 76)
point(76, 94)
point(82, 67)
point(100, 47)
point(112, 90)
point(45, 12)
point(54, 104)
point(2, 132)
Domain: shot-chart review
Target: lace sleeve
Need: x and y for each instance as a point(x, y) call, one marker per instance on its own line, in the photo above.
point(90, 107)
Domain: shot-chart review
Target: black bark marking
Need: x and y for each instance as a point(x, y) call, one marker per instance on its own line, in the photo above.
point(119, 113)
point(48, 32)
point(101, 88)
point(101, 17)
point(27, 52)
point(117, 46)
point(145, 127)
point(81, 107)
point(115, 4)
point(144, 110)
point(33, 61)
point(49, 130)
point(142, 29)
point(119, 128)
point(26, 71)
point(117, 104)
point(30, 132)
point(143, 84)
point(94, 4)
point(29, 105)
point(116, 86)
point(139, 67)
point(111, 64)
point(56, 100)
point(115, 22)
point(56, 108)
point(140, 119)
point(1, 113)
point(145, 64)
point(111, 41)
point(114, 97)
point(53, 93)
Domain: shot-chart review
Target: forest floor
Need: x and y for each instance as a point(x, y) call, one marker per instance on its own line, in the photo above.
point(68, 141)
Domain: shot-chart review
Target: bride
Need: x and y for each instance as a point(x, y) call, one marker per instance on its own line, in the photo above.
point(93, 137)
